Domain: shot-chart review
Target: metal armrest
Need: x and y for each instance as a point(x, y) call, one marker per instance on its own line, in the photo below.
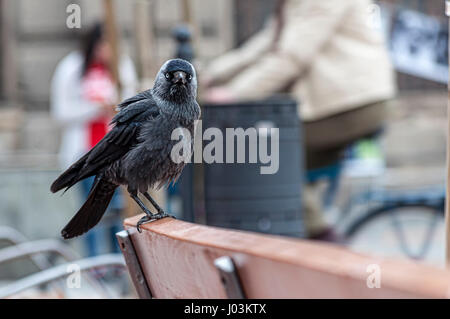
point(59, 272)
point(11, 235)
point(37, 247)
point(14, 237)
point(33, 250)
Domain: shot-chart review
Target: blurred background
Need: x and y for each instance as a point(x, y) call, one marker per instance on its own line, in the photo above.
point(386, 197)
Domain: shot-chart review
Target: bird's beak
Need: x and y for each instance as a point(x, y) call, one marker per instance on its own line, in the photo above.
point(179, 77)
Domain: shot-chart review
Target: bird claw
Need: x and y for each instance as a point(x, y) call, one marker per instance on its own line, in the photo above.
point(150, 218)
point(162, 215)
point(143, 220)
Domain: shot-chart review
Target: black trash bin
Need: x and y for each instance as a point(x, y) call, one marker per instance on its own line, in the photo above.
point(237, 195)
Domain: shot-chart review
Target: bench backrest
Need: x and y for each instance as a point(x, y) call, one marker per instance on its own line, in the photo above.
point(177, 260)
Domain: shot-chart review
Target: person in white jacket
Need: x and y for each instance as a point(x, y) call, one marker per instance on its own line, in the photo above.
point(72, 111)
point(82, 101)
point(328, 56)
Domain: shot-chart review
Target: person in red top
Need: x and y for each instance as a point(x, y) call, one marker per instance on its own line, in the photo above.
point(84, 96)
point(98, 87)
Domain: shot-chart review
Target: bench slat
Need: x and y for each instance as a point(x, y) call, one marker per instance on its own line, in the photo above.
point(178, 261)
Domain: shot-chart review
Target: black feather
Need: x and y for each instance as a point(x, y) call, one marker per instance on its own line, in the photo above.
point(138, 97)
point(92, 211)
point(136, 151)
point(113, 146)
point(179, 65)
point(70, 176)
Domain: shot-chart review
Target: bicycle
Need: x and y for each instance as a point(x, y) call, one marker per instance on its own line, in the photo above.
point(388, 217)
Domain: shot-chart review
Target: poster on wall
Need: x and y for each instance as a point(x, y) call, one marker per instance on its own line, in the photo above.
point(419, 45)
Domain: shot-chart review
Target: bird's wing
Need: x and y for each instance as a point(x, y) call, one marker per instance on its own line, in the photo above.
point(123, 136)
point(145, 95)
point(127, 124)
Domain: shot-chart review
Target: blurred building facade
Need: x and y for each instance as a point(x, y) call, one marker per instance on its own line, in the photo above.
point(34, 37)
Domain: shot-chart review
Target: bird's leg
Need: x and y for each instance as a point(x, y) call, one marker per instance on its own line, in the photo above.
point(152, 201)
point(161, 213)
point(148, 214)
point(141, 204)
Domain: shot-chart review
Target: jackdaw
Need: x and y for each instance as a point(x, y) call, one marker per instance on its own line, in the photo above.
point(137, 150)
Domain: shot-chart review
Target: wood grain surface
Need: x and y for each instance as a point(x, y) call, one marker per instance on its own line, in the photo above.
point(177, 259)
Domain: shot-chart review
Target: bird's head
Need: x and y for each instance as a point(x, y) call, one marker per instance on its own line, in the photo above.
point(176, 81)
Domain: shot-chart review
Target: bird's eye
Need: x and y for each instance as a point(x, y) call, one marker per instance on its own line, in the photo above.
point(167, 75)
point(189, 77)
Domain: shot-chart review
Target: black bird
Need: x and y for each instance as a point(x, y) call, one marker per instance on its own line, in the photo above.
point(137, 150)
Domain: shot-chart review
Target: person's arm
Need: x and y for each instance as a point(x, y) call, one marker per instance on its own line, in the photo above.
point(67, 105)
point(229, 64)
point(128, 78)
point(310, 25)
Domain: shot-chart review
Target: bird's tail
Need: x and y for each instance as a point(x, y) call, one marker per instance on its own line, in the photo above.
point(92, 210)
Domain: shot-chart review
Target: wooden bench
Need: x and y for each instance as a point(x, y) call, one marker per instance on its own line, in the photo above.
point(176, 259)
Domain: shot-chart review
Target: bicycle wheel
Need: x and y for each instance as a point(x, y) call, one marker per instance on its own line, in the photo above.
point(415, 231)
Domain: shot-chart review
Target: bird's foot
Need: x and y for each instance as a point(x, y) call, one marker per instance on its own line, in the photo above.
point(150, 218)
point(143, 220)
point(161, 215)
